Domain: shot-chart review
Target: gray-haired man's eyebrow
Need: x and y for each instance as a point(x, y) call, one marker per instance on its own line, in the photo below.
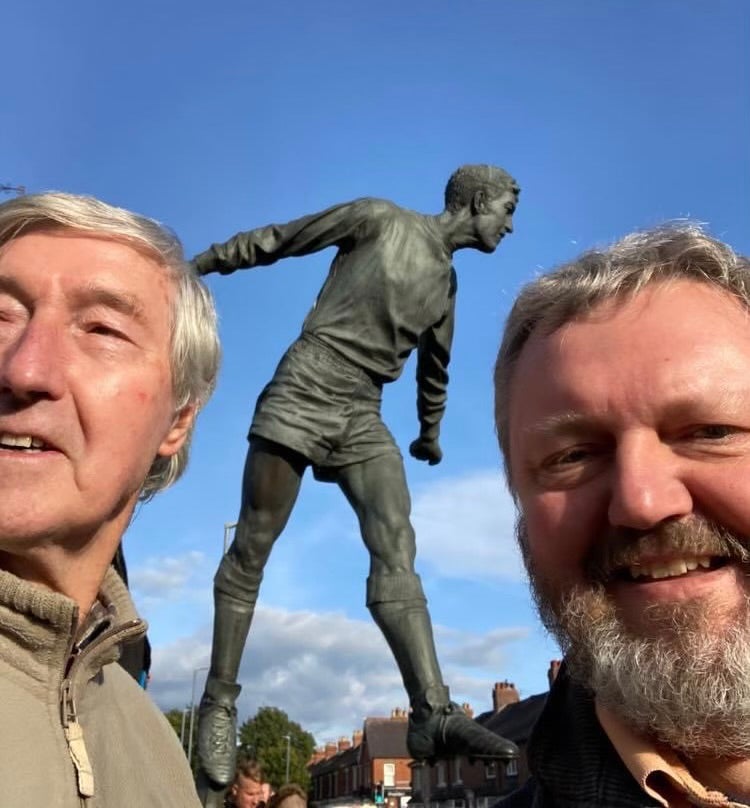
point(116, 299)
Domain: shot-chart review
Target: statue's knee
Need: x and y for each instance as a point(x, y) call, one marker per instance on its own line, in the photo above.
point(232, 578)
point(401, 586)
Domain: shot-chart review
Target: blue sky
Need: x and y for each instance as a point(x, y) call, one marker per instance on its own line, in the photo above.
point(216, 117)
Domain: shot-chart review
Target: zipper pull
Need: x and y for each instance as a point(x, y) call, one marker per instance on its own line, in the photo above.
point(77, 748)
point(76, 745)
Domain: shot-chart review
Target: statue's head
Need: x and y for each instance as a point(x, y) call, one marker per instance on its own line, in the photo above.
point(465, 181)
point(490, 195)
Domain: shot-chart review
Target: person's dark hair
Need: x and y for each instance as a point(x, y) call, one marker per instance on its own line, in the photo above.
point(288, 790)
point(251, 769)
point(465, 181)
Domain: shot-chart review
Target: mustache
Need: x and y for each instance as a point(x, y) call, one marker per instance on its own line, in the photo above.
point(697, 536)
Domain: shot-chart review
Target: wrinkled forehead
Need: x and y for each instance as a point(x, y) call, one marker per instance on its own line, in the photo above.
point(660, 332)
point(156, 260)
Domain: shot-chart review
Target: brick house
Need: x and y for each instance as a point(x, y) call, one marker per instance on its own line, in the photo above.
point(459, 783)
point(349, 773)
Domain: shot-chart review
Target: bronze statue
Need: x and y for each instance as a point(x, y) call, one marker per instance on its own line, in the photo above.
point(390, 289)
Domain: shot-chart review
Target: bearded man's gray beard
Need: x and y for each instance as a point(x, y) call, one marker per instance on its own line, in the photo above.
point(687, 683)
point(689, 686)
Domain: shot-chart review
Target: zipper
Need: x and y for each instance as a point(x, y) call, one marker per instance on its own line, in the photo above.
point(68, 713)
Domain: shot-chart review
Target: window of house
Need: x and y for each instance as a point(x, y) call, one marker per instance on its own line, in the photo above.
point(354, 778)
point(389, 775)
point(490, 770)
point(511, 768)
point(457, 771)
point(440, 774)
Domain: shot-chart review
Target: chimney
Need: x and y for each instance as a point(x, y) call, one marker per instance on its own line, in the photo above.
point(503, 694)
point(331, 749)
point(399, 714)
point(554, 668)
point(344, 744)
point(317, 755)
point(357, 737)
point(466, 707)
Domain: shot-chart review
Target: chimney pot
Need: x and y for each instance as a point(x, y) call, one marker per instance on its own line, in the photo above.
point(503, 694)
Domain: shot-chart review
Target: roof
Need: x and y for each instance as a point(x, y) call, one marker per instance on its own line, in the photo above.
point(341, 760)
point(515, 721)
point(385, 738)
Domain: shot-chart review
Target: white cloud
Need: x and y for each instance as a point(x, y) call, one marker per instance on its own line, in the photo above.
point(465, 528)
point(483, 652)
point(327, 671)
point(166, 577)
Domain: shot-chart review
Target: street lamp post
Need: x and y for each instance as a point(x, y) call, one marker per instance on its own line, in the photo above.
point(196, 671)
point(182, 727)
point(229, 527)
point(288, 748)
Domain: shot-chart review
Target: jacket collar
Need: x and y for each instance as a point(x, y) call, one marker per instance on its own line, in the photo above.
point(571, 756)
point(39, 627)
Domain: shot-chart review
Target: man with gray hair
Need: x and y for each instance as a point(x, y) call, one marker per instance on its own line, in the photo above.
point(623, 411)
point(108, 349)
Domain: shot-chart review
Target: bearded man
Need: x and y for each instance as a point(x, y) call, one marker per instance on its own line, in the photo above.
point(623, 410)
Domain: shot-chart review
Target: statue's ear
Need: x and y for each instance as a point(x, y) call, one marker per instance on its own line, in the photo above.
point(479, 201)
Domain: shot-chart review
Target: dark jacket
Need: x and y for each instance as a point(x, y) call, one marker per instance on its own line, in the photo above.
point(572, 762)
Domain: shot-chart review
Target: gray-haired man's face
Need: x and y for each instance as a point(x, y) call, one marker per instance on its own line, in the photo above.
point(85, 384)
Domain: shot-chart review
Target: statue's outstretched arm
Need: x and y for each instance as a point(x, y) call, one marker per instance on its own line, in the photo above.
point(266, 245)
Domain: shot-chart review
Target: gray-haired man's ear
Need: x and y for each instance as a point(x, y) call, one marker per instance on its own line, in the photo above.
point(179, 431)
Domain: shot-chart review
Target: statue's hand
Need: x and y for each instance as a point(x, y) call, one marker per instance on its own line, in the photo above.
point(203, 265)
point(424, 449)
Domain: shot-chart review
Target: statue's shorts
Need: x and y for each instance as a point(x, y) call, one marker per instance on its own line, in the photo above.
point(321, 405)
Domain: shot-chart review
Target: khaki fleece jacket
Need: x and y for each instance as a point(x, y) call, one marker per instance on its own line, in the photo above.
point(76, 730)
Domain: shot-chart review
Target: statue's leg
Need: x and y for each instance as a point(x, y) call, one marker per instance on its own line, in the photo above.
point(270, 486)
point(378, 493)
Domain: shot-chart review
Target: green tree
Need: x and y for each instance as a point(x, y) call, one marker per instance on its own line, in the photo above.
point(264, 738)
point(176, 718)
